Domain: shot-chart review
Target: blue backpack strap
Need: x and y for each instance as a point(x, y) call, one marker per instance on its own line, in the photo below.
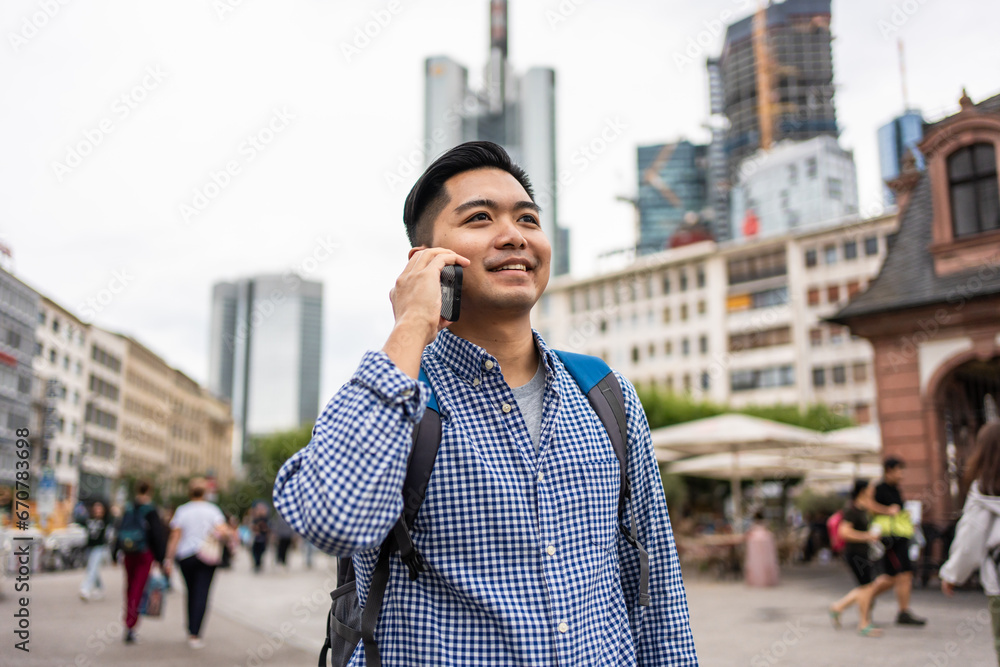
point(432, 401)
point(601, 387)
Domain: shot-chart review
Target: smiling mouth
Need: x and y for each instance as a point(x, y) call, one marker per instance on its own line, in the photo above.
point(510, 267)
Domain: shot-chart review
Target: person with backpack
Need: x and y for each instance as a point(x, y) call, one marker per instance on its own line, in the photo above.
point(542, 534)
point(977, 536)
point(141, 537)
point(856, 539)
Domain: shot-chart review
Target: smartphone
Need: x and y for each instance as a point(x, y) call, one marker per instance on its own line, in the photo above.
point(451, 292)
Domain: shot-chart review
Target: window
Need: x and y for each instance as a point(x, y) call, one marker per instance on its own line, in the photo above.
point(39, 349)
point(850, 249)
point(860, 372)
point(757, 339)
point(700, 277)
point(839, 375)
point(684, 280)
point(703, 344)
point(757, 267)
point(52, 356)
point(819, 377)
point(811, 259)
point(833, 293)
point(666, 283)
point(66, 362)
point(666, 315)
point(635, 354)
point(815, 337)
point(687, 382)
point(768, 298)
point(55, 325)
point(830, 254)
point(834, 188)
point(668, 347)
point(871, 246)
point(41, 317)
point(774, 376)
point(685, 347)
point(652, 350)
point(972, 185)
point(863, 413)
point(705, 381)
point(853, 288)
point(58, 456)
point(836, 335)
point(13, 339)
point(811, 168)
point(684, 312)
point(813, 296)
point(793, 174)
point(702, 308)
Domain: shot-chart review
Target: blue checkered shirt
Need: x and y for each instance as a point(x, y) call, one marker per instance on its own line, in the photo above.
point(525, 562)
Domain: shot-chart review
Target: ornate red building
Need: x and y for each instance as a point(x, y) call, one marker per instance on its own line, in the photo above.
point(933, 313)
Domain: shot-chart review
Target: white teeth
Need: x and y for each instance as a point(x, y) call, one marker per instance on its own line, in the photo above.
point(512, 267)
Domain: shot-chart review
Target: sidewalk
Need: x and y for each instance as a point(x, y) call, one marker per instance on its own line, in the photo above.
point(279, 618)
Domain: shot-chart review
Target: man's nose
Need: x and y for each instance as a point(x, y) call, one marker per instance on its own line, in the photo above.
point(510, 235)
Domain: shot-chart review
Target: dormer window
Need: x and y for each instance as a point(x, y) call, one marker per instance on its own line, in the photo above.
point(972, 185)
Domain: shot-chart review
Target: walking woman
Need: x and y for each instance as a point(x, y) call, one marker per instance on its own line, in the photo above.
point(855, 530)
point(198, 531)
point(977, 537)
point(97, 551)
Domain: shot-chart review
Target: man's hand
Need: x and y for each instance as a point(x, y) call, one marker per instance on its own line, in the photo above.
point(894, 510)
point(416, 305)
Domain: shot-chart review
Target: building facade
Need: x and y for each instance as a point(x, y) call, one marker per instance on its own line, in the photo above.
point(61, 365)
point(932, 315)
point(793, 185)
point(673, 183)
point(736, 324)
point(19, 306)
point(265, 354)
point(895, 139)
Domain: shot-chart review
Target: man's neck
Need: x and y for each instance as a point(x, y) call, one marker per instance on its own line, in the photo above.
point(510, 341)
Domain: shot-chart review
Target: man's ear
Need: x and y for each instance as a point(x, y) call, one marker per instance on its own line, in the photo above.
point(414, 250)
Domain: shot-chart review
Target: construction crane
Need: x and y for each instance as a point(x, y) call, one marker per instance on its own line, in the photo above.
point(764, 70)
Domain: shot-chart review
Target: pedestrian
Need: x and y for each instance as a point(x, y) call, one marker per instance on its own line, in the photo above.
point(760, 565)
point(231, 545)
point(96, 524)
point(141, 537)
point(521, 556)
point(855, 531)
point(283, 535)
point(261, 531)
point(977, 536)
point(198, 531)
point(897, 531)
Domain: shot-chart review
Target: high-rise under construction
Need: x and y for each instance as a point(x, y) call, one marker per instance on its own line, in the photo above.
point(773, 81)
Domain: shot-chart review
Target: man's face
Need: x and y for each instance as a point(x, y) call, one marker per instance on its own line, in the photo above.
point(491, 221)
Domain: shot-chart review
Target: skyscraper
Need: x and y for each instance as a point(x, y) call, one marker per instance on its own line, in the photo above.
point(517, 113)
point(899, 135)
point(784, 50)
point(672, 183)
point(265, 351)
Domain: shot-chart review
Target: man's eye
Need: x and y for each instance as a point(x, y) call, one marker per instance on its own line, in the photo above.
point(479, 216)
point(530, 218)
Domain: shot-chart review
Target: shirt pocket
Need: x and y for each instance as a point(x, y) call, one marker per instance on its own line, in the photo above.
point(603, 481)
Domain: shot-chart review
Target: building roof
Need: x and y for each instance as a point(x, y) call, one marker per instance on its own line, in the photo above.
point(907, 278)
point(777, 15)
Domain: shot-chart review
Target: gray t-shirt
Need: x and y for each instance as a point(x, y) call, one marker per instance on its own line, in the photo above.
point(529, 400)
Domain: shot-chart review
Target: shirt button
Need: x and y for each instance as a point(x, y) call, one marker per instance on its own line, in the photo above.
point(541, 476)
point(488, 365)
point(505, 407)
point(475, 382)
point(563, 627)
point(551, 550)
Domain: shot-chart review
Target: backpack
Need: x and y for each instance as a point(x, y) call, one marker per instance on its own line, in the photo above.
point(837, 543)
point(348, 624)
point(133, 534)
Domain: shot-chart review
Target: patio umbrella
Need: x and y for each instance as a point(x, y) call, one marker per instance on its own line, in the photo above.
point(732, 434)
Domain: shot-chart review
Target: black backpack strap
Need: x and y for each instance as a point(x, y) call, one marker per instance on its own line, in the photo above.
point(605, 395)
point(373, 606)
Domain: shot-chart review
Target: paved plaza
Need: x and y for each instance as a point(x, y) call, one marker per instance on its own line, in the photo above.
point(278, 618)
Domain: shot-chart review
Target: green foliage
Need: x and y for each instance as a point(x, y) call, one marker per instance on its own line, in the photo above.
point(666, 409)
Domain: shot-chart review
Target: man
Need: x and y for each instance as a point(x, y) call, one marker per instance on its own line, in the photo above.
point(141, 535)
point(519, 526)
point(897, 529)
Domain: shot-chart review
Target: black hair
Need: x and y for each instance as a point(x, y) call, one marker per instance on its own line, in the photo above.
point(892, 462)
point(859, 487)
point(427, 198)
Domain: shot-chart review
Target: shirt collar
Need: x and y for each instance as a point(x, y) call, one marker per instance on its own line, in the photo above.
point(469, 361)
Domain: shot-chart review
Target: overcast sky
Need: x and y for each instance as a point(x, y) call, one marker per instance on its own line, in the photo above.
point(162, 98)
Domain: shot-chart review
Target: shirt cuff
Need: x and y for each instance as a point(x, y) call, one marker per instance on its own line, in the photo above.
point(392, 386)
